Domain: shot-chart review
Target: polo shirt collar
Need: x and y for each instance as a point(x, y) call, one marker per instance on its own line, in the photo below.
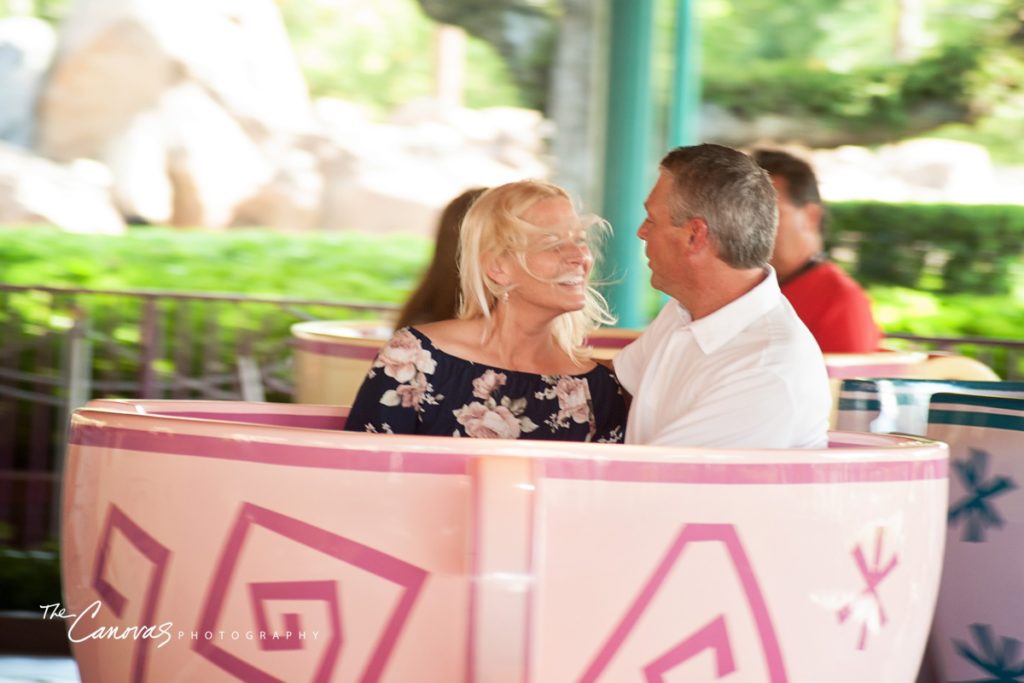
point(714, 331)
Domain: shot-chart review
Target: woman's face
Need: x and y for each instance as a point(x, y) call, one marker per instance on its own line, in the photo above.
point(557, 258)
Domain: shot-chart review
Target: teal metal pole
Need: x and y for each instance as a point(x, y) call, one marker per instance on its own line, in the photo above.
point(627, 175)
point(684, 116)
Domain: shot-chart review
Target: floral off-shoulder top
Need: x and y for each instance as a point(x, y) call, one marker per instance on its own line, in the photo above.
point(415, 388)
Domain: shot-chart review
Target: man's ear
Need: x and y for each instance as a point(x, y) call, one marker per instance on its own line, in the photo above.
point(814, 213)
point(699, 238)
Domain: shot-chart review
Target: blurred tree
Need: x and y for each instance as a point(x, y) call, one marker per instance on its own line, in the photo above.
point(838, 71)
point(575, 77)
point(996, 87)
point(379, 53)
point(911, 36)
point(50, 10)
point(861, 71)
point(523, 32)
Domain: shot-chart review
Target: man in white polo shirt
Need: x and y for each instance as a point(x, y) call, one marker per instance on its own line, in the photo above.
point(727, 363)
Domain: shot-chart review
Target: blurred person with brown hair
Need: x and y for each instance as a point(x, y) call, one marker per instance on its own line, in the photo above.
point(834, 307)
point(514, 363)
point(437, 295)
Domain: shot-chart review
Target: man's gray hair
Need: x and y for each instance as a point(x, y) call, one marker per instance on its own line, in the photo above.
point(733, 195)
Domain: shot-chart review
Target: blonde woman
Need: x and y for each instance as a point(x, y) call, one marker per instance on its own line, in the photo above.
point(513, 363)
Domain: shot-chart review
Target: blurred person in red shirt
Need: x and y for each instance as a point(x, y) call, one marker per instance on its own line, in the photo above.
point(834, 307)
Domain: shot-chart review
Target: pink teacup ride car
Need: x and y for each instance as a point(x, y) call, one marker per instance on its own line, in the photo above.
point(219, 541)
point(900, 365)
point(332, 357)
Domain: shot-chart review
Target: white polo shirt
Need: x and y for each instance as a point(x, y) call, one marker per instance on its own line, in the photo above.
point(750, 375)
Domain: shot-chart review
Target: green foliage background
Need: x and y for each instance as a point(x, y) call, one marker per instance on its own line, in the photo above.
point(370, 268)
point(342, 266)
point(947, 247)
point(832, 61)
point(29, 579)
point(380, 53)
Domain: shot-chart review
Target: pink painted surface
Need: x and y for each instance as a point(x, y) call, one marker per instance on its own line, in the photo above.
point(874, 616)
point(588, 562)
point(340, 348)
point(613, 338)
point(715, 637)
point(153, 551)
point(874, 370)
point(277, 414)
point(331, 358)
point(879, 364)
point(365, 558)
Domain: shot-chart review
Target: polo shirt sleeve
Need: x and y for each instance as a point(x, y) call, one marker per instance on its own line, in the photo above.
point(629, 363)
point(742, 411)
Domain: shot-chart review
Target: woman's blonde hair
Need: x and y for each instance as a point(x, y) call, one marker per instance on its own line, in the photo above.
point(494, 227)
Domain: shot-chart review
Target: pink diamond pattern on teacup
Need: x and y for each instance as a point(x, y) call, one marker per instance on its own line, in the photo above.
point(715, 634)
point(143, 556)
point(252, 519)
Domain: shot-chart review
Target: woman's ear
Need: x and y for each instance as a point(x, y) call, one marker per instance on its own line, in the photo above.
point(498, 270)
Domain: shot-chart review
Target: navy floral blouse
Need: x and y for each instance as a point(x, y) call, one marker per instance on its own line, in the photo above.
point(416, 388)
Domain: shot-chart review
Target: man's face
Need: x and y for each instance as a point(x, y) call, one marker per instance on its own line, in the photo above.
point(798, 237)
point(665, 242)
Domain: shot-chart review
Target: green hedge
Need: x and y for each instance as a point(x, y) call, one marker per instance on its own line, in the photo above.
point(29, 578)
point(865, 99)
point(935, 247)
point(196, 338)
point(328, 266)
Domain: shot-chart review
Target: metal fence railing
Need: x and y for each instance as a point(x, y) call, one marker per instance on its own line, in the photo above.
point(60, 347)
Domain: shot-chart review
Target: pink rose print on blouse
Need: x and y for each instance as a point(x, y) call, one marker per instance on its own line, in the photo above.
point(490, 420)
point(573, 394)
point(483, 422)
point(406, 395)
point(404, 357)
point(485, 384)
point(573, 400)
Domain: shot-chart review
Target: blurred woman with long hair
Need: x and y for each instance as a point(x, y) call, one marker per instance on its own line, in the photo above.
point(437, 295)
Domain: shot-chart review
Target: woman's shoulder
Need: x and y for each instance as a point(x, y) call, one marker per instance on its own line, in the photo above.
point(457, 338)
point(449, 331)
point(603, 373)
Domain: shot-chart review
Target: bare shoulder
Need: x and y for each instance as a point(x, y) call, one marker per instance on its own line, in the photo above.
point(458, 337)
